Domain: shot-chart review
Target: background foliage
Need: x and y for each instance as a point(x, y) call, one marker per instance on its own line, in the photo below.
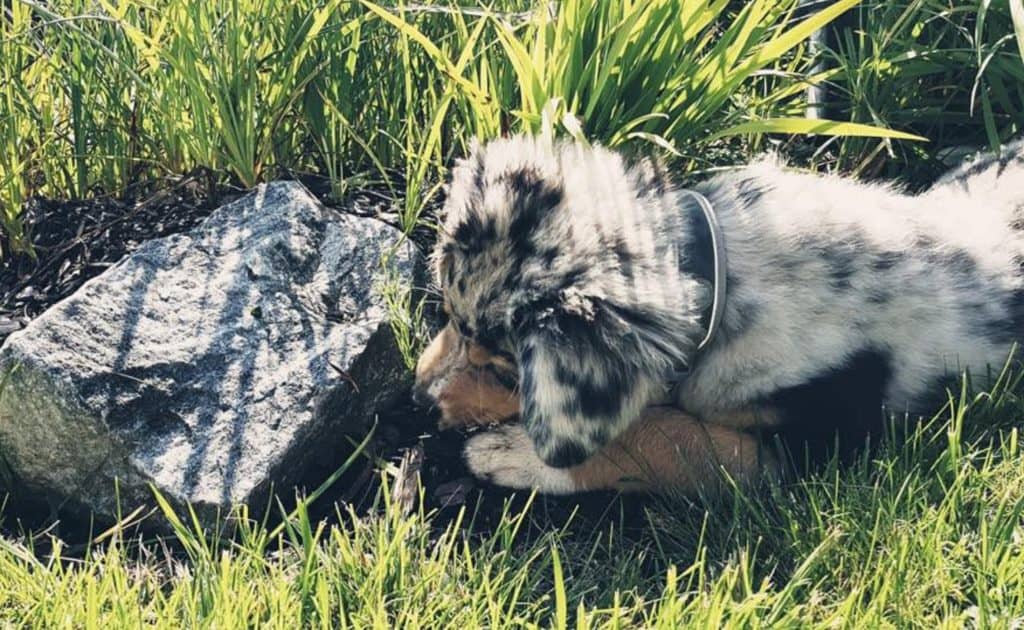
point(118, 96)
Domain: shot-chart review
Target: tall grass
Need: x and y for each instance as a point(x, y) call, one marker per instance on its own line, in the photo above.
point(664, 71)
point(950, 71)
point(101, 98)
point(110, 97)
point(113, 97)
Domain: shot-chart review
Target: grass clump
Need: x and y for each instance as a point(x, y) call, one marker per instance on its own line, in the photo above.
point(115, 97)
point(949, 71)
point(668, 72)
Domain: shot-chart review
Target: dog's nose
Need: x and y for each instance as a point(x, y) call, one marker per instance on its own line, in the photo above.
point(420, 397)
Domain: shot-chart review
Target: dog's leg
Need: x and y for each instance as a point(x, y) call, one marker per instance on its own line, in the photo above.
point(745, 419)
point(664, 449)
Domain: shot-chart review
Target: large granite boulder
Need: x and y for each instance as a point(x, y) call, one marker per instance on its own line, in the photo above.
point(213, 365)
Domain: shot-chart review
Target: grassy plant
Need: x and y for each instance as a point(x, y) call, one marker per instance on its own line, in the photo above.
point(423, 136)
point(230, 77)
point(335, 104)
point(949, 71)
point(662, 71)
point(98, 98)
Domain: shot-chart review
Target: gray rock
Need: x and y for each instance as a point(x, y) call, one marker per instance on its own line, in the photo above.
point(213, 365)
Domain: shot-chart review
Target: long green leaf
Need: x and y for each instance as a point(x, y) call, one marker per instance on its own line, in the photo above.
point(558, 583)
point(435, 53)
point(814, 126)
point(799, 33)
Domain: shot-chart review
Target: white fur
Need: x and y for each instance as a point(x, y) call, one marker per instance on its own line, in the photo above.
point(802, 325)
point(505, 456)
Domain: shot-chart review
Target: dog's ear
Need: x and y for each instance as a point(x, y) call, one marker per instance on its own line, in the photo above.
point(583, 380)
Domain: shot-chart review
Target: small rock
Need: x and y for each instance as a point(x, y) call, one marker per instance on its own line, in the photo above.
point(204, 363)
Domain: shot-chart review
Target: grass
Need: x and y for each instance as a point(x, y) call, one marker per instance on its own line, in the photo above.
point(949, 71)
point(925, 530)
point(117, 96)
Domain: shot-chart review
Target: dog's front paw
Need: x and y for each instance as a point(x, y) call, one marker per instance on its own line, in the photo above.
point(505, 457)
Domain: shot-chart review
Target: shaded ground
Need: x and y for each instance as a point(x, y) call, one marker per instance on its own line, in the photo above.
point(77, 240)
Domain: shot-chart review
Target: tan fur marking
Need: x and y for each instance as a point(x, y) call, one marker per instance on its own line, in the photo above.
point(436, 356)
point(750, 418)
point(667, 449)
point(471, 397)
point(454, 371)
point(478, 355)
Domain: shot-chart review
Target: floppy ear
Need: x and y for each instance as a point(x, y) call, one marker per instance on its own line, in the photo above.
point(583, 380)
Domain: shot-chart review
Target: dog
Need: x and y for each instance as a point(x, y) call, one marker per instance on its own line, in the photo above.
point(647, 336)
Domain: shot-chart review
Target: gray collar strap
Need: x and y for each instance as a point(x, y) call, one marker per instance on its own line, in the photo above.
point(705, 258)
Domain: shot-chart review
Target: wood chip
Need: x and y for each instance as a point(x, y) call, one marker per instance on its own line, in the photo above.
point(406, 482)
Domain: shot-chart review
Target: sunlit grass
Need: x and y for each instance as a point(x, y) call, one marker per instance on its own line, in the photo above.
point(923, 531)
point(950, 71)
point(115, 96)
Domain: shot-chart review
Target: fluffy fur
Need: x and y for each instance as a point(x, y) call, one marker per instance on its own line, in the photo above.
point(841, 295)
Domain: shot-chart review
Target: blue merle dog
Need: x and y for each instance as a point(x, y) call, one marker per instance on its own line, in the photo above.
point(578, 288)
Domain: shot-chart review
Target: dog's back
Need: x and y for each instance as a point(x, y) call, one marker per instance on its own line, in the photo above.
point(1000, 175)
point(993, 184)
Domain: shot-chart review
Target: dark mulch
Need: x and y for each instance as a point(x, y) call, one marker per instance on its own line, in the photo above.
point(75, 240)
point(78, 239)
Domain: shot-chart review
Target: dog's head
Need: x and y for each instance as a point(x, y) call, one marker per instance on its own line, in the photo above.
point(562, 261)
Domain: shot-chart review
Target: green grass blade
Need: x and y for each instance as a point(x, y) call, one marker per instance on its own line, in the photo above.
point(558, 584)
point(799, 33)
point(435, 53)
point(814, 126)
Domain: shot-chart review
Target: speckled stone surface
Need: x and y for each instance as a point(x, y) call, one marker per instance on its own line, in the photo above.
point(213, 365)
